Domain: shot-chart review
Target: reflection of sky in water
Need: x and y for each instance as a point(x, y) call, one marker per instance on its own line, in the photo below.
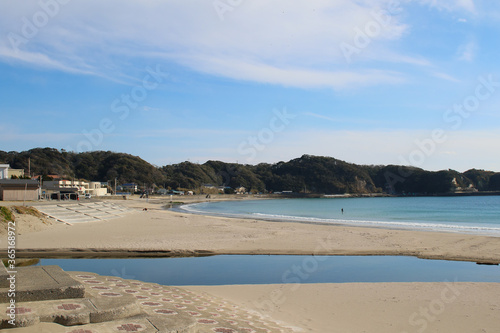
point(245, 269)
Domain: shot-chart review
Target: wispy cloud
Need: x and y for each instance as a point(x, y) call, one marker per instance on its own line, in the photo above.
point(445, 76)
point(265, 46)
point(150, 109)
point(451, 5)
point(467, 51)
point(315, 115)
point(39, 139)
point(386, 147)
point(194, 133)
point(292, 76)
point(38, 59)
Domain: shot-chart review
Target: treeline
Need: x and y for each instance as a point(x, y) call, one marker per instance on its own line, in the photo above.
point(307, 174)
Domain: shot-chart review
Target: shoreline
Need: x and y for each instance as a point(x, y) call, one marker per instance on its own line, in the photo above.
point(127, 254)
point(374, 224)
point(122, 253)
point(389, 225)
point(160, 232)
point(319, 307)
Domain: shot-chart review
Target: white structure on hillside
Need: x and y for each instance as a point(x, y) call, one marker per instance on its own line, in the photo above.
point(92, 188)
point(4, 171)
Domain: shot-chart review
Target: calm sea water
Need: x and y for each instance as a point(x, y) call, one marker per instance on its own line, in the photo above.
point(246, 269)
point(472, 214)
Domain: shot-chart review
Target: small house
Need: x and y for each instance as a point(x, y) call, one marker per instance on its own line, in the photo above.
point(19, 189)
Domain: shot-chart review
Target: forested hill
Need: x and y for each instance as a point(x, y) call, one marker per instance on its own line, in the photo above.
point(309, 174)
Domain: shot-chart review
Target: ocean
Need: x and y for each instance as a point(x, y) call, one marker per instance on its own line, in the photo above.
point(464, 214)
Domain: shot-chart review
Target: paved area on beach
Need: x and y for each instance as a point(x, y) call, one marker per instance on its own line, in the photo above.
point(113, 304)
point(83, 212)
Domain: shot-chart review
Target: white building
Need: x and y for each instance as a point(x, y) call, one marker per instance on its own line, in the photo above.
point(4, 171)
point(97, 189)
point(92, 188)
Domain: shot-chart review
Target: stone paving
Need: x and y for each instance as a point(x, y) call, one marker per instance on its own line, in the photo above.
point(113, 304)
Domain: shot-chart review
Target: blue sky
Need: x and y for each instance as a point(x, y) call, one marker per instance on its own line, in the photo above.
point(370, 82)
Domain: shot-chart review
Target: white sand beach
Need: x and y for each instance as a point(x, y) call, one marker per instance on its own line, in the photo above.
point(348, 307)
point(165, 231)
point(372, 307)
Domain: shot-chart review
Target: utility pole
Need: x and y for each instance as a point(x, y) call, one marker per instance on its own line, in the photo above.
point(25, 189)
point(115, 185)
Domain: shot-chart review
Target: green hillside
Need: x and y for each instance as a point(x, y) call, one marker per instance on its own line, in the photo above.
point(307, 174)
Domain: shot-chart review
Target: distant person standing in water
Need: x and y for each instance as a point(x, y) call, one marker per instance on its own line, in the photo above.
point(342, 210)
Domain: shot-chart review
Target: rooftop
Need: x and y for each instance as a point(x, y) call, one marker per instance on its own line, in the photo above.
point(18, 181)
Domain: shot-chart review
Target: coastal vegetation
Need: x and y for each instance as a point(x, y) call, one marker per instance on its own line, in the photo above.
point(6, 215)
point(306, 174)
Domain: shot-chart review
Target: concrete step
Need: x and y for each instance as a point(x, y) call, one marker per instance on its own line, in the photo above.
point(113, 304)
point(68, 205)
point(66, 214)
point(52, 210)
point(70, 312)
point(99, 212)
point(38, 283)
point(81, 219)
point(84, 212)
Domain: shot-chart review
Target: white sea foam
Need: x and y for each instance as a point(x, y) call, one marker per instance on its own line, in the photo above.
point(192, 208)
point(374, 223)
point(198, 208)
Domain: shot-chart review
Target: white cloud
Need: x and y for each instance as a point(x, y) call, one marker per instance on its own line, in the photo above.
point(462, 150)
point(13, 138)
point(445, 76)
point(39, 59)
point(295, 77)
point(279, 42)
point(471, 149)
point(467, 51)
point(451, 5)
point(190, 133)
point(319, 116)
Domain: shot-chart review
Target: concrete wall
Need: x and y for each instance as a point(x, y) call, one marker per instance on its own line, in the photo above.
point(17, 194)
point(98, 192)
point(16, 172)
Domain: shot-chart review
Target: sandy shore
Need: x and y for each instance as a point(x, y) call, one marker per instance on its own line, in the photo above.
point(166, 233)
point(372, 307)
point(349, 307)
